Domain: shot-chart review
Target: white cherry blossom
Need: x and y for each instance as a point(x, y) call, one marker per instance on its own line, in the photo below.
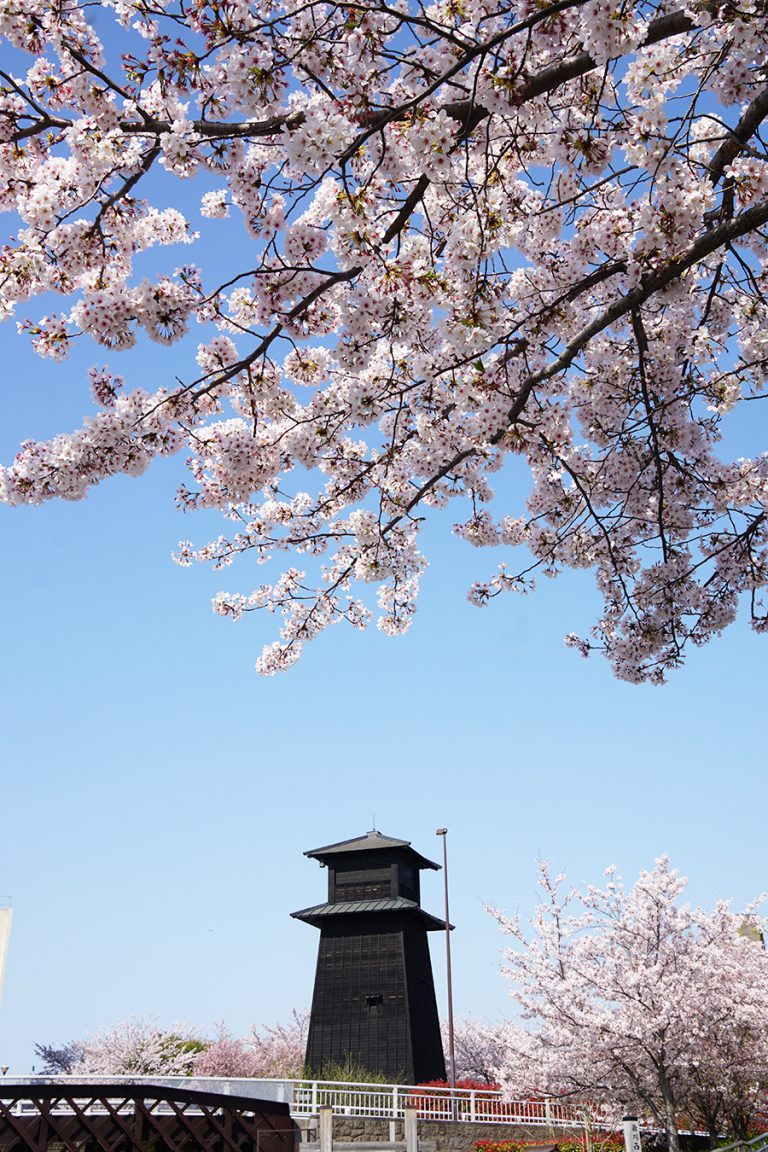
point(468, 231)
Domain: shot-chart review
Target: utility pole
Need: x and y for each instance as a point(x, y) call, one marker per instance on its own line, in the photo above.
point(451, 1050)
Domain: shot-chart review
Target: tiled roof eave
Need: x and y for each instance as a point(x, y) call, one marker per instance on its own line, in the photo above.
point(320, 912)
point(371, 841)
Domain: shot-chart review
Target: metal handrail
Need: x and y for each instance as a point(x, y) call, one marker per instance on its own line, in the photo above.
point(756, 1144)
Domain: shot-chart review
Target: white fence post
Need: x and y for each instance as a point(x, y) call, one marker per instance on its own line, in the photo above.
point(472, 1106)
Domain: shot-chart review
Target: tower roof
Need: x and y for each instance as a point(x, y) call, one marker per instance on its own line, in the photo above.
point(371, 841)
point(323, 912)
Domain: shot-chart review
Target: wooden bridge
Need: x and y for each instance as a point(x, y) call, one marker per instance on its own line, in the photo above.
point(138, 1117)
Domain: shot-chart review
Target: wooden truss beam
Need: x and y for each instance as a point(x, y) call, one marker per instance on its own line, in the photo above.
point(139, 1118)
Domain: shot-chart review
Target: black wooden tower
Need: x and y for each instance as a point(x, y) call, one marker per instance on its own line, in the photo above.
point(374, 1003)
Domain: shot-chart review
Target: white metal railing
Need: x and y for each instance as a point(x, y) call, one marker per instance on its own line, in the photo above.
point(471, 1105)
point(756, 1144)
point(378, 1101)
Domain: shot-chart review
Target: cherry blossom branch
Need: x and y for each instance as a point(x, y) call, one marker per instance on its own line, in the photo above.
point(739, 136)
point(470, 234)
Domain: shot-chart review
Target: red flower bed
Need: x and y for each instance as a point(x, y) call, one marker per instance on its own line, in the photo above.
point(572, 1144)
point(498, 1146)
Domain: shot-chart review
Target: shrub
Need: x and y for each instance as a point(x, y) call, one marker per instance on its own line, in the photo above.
point(348, 1073)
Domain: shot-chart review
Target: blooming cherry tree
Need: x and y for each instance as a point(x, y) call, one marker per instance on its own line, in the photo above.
point(641, 1002)
point(482, 1048)
point(271, 1051)
point(226, 1055)
point(727, 1077)
point(139, 1047)
point(281, 1048)
point(472, 230)
point(136, 1047)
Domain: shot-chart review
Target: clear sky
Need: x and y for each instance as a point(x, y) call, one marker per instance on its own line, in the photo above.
point(157, 795)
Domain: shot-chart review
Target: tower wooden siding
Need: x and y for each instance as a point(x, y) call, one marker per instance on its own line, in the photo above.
point(374, 1004)
point(359, 1008)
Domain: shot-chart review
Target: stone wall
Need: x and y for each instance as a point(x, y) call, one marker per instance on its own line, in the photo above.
point(448, 1137)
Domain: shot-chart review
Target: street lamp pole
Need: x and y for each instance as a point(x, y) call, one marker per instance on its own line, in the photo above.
point(451, 1051)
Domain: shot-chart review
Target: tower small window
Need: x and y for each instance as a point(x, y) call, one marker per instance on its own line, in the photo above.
point(375, 1001)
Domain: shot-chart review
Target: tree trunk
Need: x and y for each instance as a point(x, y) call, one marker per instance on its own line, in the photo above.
point(740, 1125)
point(670, 1117)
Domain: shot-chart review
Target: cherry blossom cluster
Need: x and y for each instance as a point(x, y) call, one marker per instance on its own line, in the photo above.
point(483, 1050)
point(636, 1001)
point(140, 1047)
point(137, 1047)
point(470, 230)
point(273, 1051)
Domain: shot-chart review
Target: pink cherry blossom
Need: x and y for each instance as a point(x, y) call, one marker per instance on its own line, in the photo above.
point(470, 231)
point(637, 1002)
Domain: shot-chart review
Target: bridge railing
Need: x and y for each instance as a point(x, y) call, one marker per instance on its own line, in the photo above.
point(756, 1144)
point(104, 1114)
point(377, 1101)
point(388, 1102)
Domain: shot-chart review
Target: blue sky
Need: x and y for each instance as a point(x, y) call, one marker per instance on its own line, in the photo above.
point(156, 795)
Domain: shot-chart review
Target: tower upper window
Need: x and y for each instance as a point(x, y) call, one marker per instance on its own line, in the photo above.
point(371, 884)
